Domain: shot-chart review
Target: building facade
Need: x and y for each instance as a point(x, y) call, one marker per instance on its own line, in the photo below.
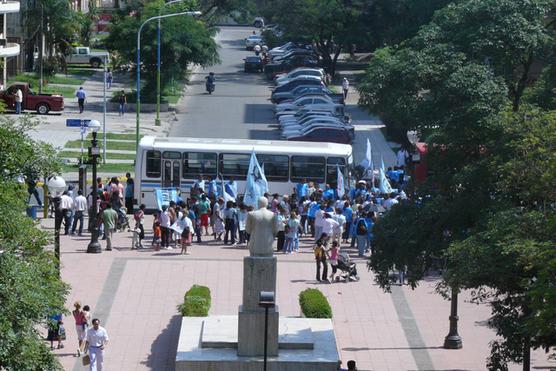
point(9, 48)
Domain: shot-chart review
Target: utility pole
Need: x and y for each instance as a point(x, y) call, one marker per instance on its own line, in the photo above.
point(41, 50)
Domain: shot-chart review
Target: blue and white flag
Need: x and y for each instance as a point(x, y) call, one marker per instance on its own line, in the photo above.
point(256, 185)
point(384, 186)
point(367, 162)
point(231, 188)
point(227, 193)
point(164, 196)
point(341, 187)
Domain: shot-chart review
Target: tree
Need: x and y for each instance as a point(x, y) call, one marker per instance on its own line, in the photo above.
point(30, 287)
point(185, 40)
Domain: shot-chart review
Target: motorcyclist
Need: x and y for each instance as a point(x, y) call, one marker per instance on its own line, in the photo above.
point(210, 82)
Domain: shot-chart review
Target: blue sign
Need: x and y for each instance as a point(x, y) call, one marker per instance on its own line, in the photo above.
point(77, 123)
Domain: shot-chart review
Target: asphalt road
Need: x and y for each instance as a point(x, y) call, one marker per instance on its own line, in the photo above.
point(239, 108)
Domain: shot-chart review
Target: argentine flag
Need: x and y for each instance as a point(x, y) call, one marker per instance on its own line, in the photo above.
point(256, 185)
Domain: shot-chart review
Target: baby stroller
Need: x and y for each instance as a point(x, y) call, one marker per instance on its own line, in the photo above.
point(122, 223)
point(347, 267)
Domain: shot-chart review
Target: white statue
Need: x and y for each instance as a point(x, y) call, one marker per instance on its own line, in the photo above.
point(262, 226)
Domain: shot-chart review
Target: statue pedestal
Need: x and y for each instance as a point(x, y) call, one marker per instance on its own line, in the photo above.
point(259, 274)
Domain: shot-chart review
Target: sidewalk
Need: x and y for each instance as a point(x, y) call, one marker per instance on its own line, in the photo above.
point(135, 294)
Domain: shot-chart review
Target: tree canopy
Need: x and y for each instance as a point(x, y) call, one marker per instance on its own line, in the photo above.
point(184, 40)
point(30, 287)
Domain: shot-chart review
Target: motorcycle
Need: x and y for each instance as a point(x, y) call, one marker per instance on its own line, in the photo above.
point(210, 83)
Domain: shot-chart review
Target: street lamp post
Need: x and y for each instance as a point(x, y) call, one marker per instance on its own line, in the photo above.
point(158, 92)
point(94, 151)
point(453, 340)
point(266, 300)
point(138, 102)
point(56, 187)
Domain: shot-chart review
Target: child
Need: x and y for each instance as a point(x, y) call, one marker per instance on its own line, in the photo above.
point(242, 218)
point(186, 225)
point(56, 331)
point(156, 232)
point(333, 258)
point(291, 234)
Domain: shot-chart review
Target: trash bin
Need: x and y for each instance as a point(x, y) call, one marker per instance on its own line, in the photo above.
point(32, 212)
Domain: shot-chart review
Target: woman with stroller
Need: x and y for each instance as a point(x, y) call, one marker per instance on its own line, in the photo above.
point(321, 253)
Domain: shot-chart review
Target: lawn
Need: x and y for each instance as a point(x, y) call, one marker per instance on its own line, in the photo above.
point(127, 146)
point(66, 91)
point(33, 79)
point(107, 168)
point(120, 136)
point(81, 71)
point(109, 155)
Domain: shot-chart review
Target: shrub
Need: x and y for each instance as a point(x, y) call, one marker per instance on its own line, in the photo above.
point(196, 302)
point(314, 304)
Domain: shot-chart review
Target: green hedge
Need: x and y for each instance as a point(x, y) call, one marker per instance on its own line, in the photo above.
point(314, 304)
point(196, 302)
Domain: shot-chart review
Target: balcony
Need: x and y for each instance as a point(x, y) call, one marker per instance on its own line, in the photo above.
point(9, 50)
point(9, 7)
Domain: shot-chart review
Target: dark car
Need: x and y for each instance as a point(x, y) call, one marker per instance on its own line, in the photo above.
point(306, 89)
point(326, 134)
point(253, 64)
point(272, 69)
point(294, 52)
point(293, 84)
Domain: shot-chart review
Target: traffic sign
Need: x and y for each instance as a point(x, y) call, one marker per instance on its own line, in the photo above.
point(77, 123)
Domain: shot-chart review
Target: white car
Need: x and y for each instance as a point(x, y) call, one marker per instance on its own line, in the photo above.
point(337, 109)
point(280, 79)
point(288, 119)
point(253, 40)
point(300, 77)
point(316, 122)
point(289, 125)
point(299, 103)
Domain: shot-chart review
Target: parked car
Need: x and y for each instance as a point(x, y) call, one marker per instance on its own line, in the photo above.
point(258, 22)
point(302, 114)
point(302, 77)
point(272, 69)
point(301, 71)
point(292, 84)
point(311, 122)
point(301, 102)
point(279, 97)
point(84, 55)
point(293, 52)
point(253, 64)
point(283, 49)
point(324, 134)
point(41, 103)
point(253, 40)
point(309, 117)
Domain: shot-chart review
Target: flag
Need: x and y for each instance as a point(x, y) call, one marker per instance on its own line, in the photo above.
point(226, 194)
point(256, 185)
point(231, 188)
point(341, 188)
point(384, 185)
point(367, 162)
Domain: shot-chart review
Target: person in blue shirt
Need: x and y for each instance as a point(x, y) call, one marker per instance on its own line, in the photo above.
point(81, 96)
point(348, 213)
point(302, 188)
point(212, 188)
point(361, 190)
point(129, 188)
point(328, 193)
point(314, 206)
point(369, 219)
point(361, 235)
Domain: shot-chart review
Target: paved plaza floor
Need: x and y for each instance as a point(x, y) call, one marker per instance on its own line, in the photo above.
point(135, 294)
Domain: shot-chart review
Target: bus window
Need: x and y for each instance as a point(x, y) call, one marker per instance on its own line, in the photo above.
point(276, 167)
point(331, 175)
point(195, 163)
point(153, 164)
point(234, 165)
point(308, 167)
point(171, 155)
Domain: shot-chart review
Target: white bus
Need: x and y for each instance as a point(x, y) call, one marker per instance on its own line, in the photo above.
point(166, 162)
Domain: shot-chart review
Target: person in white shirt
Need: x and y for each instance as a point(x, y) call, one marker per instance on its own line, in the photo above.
point(18, 101)
point(390, 201)
point(339, 231)
point(79, 208)
point(319, 218)
point(66, 206)
point(345, 87)
point(165, 228)
point(96, 341)
point(329, 225)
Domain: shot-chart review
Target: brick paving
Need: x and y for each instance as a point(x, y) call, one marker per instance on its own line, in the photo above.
point(135, 293)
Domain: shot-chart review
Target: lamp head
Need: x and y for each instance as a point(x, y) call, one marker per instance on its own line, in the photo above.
point(266, 299)
point(56, 186)
point(94, 125)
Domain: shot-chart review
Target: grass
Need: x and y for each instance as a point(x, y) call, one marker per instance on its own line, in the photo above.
point(120, 136)
point(66, 91)
point(107, 168)
point(33, 79)
point(127, 146)
point(80, 71)
point(109, 155)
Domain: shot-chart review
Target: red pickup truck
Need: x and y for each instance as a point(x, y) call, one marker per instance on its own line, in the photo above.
point(42, 103)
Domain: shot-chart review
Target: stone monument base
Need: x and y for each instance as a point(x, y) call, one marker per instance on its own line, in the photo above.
point(210, 343)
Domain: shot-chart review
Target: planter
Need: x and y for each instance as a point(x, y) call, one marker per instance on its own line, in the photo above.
point(145, 107)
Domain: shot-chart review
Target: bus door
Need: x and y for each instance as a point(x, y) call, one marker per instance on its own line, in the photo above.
point(171, 164)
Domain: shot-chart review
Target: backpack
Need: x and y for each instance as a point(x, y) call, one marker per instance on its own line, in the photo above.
point(361, 227)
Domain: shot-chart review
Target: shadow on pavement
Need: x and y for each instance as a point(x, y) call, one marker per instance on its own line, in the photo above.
point(264, 135)
point(257, 113)
point(163, 350)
